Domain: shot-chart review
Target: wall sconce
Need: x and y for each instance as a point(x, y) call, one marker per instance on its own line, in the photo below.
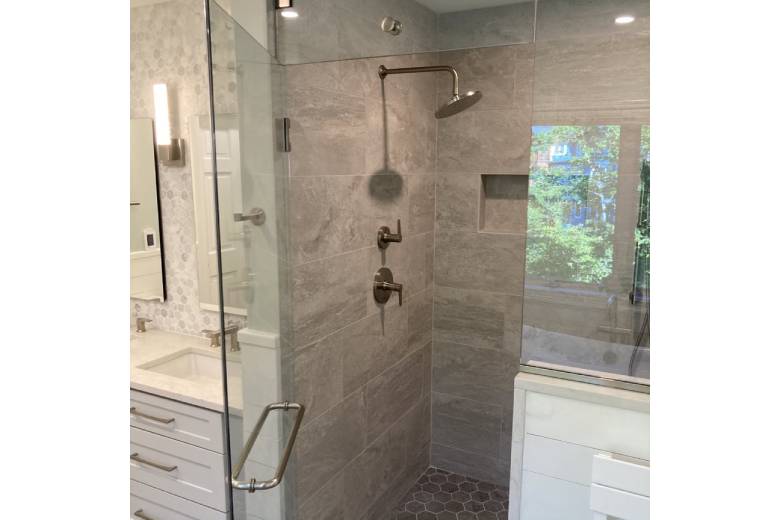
point(170, 150)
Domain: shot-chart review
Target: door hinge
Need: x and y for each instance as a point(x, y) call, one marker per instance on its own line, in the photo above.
point(284, 134)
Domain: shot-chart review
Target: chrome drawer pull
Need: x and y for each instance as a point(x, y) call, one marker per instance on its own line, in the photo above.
point(252, 484)
point(141, 460)
point(143, 516)
point(135, 412)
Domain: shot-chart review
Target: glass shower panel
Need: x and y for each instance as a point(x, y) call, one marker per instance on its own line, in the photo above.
point(587, 294)
point(247, 92)
point(350, 29)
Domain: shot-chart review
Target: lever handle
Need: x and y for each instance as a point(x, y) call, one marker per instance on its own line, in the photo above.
point(384, 236)
point(384, 285)
point(143, 516)
point(397, 287)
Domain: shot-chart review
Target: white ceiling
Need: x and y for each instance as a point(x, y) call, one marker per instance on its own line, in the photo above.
point(450, 6)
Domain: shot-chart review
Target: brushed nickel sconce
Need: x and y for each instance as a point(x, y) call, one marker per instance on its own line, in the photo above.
point(170, 150)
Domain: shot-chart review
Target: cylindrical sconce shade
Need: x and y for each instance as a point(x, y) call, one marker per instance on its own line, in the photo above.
point(162, 122)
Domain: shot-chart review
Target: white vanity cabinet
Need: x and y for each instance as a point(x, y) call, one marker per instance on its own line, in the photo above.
point(579, 451)
point(177, 464)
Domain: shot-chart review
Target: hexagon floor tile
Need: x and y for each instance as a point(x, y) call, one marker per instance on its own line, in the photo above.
point(441, 495)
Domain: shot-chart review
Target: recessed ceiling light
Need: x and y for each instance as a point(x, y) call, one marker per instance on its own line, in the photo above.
point(289, 13)
point(624, 19)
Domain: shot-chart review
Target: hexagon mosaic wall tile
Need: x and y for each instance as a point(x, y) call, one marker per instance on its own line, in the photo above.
point(441, 495)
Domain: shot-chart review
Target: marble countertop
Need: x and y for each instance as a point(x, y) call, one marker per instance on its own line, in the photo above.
point(616, 397)
point(152, 345)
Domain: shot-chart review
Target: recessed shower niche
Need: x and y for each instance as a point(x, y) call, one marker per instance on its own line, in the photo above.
point(503, 202)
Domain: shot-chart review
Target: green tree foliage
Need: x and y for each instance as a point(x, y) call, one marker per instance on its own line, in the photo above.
point(559, 251)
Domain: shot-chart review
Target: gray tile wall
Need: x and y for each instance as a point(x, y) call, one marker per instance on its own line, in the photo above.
point(326, 30)
point(363, 156)
point(478, 275)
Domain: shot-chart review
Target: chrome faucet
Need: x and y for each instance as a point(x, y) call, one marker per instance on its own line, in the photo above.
point(215, 335)
point(140, 324)
point(232, 330)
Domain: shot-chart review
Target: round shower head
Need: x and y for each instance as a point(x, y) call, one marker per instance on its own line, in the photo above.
point(458, 103)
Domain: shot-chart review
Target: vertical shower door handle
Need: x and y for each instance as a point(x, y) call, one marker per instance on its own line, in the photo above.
point(253, 484)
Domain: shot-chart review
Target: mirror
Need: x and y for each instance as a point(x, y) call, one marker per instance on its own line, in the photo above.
point(147, 266)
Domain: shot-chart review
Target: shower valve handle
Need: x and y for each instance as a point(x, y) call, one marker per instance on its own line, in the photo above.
point(384, 286)
point(384, 236)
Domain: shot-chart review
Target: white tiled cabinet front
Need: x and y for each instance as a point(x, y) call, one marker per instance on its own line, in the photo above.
point(177, 461)
point(560, 428)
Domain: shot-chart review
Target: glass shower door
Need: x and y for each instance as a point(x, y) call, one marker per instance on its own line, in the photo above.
point(246, 148)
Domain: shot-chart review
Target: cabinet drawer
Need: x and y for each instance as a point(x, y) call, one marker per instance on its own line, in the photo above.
point(559, 459)
point(198, 474)
point(190, 424)
point(615, 430)
point(158, 505)
point(548, 498)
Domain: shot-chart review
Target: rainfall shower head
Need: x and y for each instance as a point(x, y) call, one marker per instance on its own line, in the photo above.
point(457, 103)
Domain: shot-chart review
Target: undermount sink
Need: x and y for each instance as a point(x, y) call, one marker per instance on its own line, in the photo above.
point(195, 365)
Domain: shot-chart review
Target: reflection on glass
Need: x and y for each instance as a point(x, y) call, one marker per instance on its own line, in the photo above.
point(147, 271)
point(587, 301)
point(571, 211)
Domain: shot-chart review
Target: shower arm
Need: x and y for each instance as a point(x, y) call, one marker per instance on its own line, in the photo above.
point(384, 71)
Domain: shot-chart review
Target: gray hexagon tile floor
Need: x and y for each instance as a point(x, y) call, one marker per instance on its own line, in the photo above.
point(441, 495)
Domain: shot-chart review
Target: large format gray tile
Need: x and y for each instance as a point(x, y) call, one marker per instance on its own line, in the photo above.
point(592, 75)
point(374, 471)
point(401, 138)
point(485, 141)
point(457, 202)
point(416, 426)
point(479, 374)
point(422, 190)
point(328, 132)
point(480, 261)
point(465, 424)
point(371, 345)
point(419, 274)
point(478, 318)
point(474, 465)
point(325, 504)
point(570, 19)
point(420, 308)
point(318, 377)
point(328, 443)
point(327, 216)
point(393, 392)
point(501, 25)
point(327, 296)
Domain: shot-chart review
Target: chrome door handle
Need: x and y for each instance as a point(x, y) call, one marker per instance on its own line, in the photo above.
point(137, 458)
point(135, 412)
point(143, 516)
point(252, 484)
point(256, 216)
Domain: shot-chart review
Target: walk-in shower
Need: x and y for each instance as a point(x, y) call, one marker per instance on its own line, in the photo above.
point(457, 103)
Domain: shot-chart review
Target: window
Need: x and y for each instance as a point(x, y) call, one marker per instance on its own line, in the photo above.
point(572, 203)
